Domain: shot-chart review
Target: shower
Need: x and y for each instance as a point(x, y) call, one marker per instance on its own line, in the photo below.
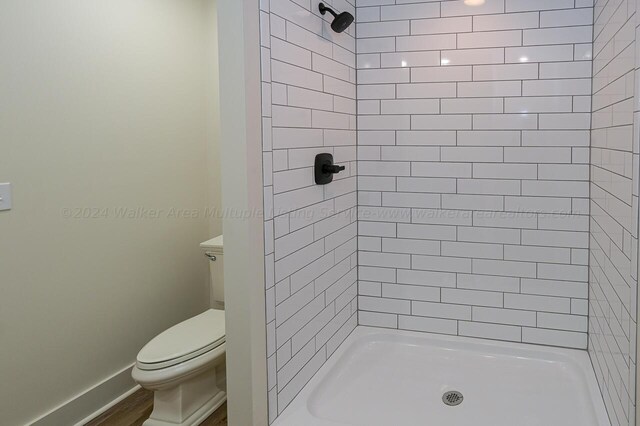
point(341, 21)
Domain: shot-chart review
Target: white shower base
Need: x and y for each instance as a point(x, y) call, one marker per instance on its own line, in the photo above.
point(389, 377)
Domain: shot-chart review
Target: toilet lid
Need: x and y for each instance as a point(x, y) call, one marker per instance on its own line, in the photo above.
point(184, 341)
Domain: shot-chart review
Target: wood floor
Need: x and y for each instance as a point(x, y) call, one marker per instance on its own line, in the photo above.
point(137, 408)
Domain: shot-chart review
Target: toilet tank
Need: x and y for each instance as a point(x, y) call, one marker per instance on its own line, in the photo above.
point(213, 250)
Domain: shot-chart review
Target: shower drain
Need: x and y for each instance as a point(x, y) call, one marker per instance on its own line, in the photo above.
point(452, 398)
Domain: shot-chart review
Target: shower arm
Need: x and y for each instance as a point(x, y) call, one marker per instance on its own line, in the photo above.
point(324, 9)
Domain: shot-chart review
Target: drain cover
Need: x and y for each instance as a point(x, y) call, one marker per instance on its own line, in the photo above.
point(452, 398)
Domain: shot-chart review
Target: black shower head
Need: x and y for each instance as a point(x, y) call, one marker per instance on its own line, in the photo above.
point(341, 21)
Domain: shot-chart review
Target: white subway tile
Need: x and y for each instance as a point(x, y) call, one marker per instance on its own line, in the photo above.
point(555, 338)
point(537, 303)
point(537, 155)
point(471, 106)
point(426, 90)
point(489, 39)
point(472, 202)
point(549, 36)
point(441, 25)
point(537, 254)
point(489, 235)
point(411, 292)
point(490, 331)
point(565, 121)
point(426, 42)
point(383, 29)
point(426, 278)
point(533, 104)
point(537, 204)
point(508, 21)
point(437, 73)
point(555, 288)
point(441, 310)
point(376, 91)
point(375, 319)
point(441, 217)
point(435, 185)
point(368, 14)
point(409, 59)
point(563, 272)
point(410, 153)
point(504, 268)
point(539, 54)
point(384, 122)
point(556, 238)
point(489, 283)
point(562, 322)
point(481, 89)
point(428, 325)
point(386, 260)
point(289, 74)
point(505, 220)
point(473, 56)
point(410, 11)
point(290, 53)
point(443, 170)
point(504, 316)
point(472, 250)
point(565, 70)
point(426, 137)
point(376, 304)
point(368, 60)
point(410, 106)
point(440, 122)
point(556, 87)
point(505, 72)
point(378, 76)
point(526, 5)
point(441, 264)
point(410, 246)
point(472, 154)
point(489, 186)
point(505, 171)
point(505, 121)
point(375, 45)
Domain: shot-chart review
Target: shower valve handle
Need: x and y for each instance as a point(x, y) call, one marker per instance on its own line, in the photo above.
point(325, 169)
point(332, 169)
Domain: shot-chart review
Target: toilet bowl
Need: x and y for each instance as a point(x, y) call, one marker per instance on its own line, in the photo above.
point(185, 365)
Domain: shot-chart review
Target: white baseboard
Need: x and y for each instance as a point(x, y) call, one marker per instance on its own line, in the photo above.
point(92, 402)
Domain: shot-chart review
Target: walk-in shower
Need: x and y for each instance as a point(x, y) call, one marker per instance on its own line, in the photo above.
point(489, 195)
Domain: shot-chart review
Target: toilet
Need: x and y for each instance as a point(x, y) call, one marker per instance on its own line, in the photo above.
point(185, 365)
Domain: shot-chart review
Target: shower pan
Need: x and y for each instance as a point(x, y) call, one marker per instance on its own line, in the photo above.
point(383, 377)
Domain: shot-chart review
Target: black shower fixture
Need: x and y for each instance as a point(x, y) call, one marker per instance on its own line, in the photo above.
point(325, 169)
point(341, 21)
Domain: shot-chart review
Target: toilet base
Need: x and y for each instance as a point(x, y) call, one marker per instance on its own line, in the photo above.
point(189, 403)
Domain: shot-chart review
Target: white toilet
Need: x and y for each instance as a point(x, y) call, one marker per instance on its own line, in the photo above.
point(185, 365)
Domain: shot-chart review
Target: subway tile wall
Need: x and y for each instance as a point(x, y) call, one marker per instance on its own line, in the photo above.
point(473, 167)
point(614, 206)
point(309, 107)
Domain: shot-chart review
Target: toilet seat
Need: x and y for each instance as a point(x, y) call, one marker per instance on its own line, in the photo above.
point(184, 342)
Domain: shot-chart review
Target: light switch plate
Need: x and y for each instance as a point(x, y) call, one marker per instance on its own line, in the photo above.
point(5, 196)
